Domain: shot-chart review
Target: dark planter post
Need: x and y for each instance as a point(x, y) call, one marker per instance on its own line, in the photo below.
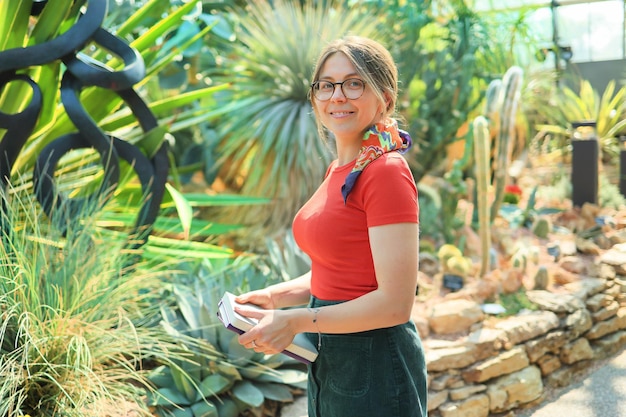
point(622, 166)
point(584, 163)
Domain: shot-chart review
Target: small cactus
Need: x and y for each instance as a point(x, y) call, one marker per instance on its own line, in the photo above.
point(459, 265)
point(519, 261)
point(448, 251)
point(542, 226)
point(541, 279)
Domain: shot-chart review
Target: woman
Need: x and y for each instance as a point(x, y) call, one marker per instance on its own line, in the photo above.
point(360, 229)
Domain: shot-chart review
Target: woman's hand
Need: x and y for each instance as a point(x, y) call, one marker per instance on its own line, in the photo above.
point(261, 298)
point(271, 335)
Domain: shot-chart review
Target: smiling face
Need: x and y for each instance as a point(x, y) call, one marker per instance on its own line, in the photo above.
point(346, 119)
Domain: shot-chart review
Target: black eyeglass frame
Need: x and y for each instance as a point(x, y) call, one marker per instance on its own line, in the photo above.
point(340, 84)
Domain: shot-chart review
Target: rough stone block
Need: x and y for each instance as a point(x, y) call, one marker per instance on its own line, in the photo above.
point(509, 391)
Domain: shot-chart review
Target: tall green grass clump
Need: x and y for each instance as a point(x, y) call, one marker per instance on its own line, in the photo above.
point(77, 330)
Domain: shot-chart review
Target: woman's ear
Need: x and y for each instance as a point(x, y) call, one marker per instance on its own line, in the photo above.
point(388, 102)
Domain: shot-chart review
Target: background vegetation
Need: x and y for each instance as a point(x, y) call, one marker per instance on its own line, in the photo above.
point(227, 81)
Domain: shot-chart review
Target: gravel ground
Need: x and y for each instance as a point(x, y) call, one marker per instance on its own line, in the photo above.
point(599, 392)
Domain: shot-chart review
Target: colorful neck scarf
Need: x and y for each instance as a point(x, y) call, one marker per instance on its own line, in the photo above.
point(379, 139)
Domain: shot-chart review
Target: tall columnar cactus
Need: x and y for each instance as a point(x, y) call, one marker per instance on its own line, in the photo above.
point(504, 120)
point(482, 147)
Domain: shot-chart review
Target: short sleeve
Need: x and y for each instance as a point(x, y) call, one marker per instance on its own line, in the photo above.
point(387, 191)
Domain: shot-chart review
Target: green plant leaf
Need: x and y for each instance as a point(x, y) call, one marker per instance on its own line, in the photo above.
point(184, 384)
point(204, 409)
point(275, 392)
point(161, 377)
point(247, 393)
point(228, 408)
point(183, 208)
point(213, 385)
point(168, 396)
point(285, 376)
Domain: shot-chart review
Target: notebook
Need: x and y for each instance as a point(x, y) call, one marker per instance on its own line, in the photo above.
point(300, 349)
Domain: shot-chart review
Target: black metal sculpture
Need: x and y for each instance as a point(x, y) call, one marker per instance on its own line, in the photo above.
point(81, 72)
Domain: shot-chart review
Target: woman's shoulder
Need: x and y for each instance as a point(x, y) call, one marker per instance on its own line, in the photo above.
point(390, 161)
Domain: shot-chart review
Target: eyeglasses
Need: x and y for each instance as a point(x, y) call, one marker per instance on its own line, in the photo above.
point(352, 88)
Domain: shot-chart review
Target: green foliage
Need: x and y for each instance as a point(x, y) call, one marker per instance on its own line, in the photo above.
point(609, 195)
point(586, 104)
point(76, 326)
point(238, 379)
point(524, 217)
point(515, 302)
point(447, 87)
point(79, 172)
point(268, 142)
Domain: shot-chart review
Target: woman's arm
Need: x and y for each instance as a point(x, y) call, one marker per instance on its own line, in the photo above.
point(395, 254)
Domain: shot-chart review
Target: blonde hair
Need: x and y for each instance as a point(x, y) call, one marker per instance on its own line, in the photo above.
point(373, 62)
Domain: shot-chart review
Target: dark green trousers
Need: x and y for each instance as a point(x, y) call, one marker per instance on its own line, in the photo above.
point(377, 373)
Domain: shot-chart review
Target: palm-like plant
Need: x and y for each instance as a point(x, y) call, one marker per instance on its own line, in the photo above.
point(269, 144)
point(607, 110)
point(80, 173)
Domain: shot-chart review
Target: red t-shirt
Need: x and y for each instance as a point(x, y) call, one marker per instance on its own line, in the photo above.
point(335, 235)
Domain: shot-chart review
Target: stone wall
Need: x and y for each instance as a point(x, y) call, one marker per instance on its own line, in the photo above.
point(505, 364)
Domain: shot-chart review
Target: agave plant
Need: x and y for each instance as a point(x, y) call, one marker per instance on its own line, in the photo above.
point(237, 380)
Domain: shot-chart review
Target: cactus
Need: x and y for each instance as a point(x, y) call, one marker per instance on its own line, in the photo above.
point(459, 266)
point(541, 227)
point(542, 278)
point(446, 252)
point(504, 118)
point(481, 150)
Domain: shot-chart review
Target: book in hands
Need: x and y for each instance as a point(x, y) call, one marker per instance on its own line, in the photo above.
point(300, 349)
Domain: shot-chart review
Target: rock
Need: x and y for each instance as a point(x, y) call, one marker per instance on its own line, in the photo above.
point(512, 390)
point(450, 358)
point(586, 288)
point(476, 406)
point(557, 303)
point(454, 316)
point(467, 391)
point(561, 275)
point(503, 364)
point(578, 322)
point(519, 329)
point(605, 313)
point(548, 364)
point(616, 256)
point(598, 301)
point(609, 345)
point(436, 398)
point(511, 281)
point(576, 351)
point(564, 376)
point(550, 343)
point(604, 328)
point(573, 264)
point(587, 246)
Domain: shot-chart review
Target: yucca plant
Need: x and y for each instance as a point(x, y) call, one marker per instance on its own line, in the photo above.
point(268, 139)
point(78, 332)
point(570, 106)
